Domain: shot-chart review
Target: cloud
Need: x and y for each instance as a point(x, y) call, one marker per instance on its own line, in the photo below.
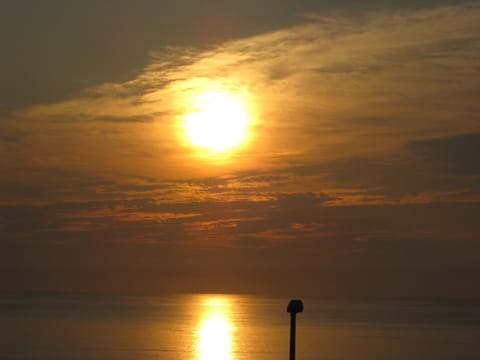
point(126, 119)
point(458, 154)
point(342, 95)
point(346, 80)
point(354, 161)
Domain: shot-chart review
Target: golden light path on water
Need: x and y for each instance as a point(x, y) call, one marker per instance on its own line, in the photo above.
point(215, 330)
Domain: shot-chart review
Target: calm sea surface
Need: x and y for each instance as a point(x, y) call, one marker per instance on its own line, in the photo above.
point(234, 327)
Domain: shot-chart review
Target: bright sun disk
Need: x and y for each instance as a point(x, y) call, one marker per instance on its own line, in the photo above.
point(218, 123)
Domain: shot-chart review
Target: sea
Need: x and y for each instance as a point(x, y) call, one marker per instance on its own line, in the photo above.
point(234, 327)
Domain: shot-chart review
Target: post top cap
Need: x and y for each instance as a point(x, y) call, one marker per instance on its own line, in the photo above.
point(295, 306)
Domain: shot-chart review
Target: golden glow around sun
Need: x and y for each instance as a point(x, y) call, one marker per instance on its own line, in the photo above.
point(218, 121)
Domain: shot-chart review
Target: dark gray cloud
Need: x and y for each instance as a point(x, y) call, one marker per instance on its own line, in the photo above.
point(458, 155)
point(15, 137)
point(72, 46)
point(124, 119)
point(431, 165)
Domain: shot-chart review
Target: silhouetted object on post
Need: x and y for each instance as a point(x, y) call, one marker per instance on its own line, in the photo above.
point(294, 307)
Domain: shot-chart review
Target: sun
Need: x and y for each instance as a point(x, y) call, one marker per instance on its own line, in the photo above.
point(218, 122)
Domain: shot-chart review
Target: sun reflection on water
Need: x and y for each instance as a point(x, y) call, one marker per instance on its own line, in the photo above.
point(214, 334)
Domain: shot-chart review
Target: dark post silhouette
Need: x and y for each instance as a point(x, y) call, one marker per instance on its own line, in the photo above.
point(294, 306)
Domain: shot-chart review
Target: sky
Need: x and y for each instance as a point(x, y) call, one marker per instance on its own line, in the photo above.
point(358, 176)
